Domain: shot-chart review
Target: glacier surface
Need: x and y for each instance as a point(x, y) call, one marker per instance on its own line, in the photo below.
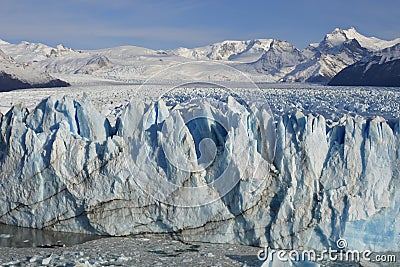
point(215, 171)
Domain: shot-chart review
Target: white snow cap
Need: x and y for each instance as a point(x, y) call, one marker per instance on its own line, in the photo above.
point(371, 43)
point(2, 42)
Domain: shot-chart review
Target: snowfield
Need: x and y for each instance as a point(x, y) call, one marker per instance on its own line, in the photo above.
point(110, 97)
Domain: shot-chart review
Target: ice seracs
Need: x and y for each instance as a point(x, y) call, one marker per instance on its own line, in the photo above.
point(64, 167)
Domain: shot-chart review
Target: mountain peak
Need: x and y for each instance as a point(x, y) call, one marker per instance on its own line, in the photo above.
point(339, 36)
point(351, 30)
point(336, 31)
point(3, 42)
point(352, 33)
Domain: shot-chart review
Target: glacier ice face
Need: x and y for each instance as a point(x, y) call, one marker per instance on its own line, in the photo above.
point(207, 171)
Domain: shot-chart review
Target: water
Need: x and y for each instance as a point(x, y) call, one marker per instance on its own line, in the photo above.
point(19, 237)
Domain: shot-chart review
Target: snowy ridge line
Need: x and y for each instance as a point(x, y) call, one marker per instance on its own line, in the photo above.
point(264, 60)
point(298, 183)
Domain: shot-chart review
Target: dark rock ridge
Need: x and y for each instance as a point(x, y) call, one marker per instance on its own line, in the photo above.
point(380, 69)
point(9, 83)
point(22, 76)
point(369, 74)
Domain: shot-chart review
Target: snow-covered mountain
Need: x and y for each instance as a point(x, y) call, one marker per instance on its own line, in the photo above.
point(267, 60)
point(371, 43)
point(26, 52)
point(114, 62)
point(279, 59)
point(240, 51)
point(382, 68)
point(335, 52)
point(2, 42)
point(18, 76)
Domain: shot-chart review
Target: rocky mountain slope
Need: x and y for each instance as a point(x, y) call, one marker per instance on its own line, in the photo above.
point(382, 68)
point(281, 61)
point(335, 52)
point(21, 76)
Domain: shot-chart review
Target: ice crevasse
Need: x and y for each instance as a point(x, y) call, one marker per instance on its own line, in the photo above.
point(230, 175)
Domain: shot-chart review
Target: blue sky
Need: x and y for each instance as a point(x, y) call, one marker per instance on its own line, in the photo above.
point(89, 24)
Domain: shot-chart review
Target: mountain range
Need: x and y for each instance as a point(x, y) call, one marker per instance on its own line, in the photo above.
point(263, 60)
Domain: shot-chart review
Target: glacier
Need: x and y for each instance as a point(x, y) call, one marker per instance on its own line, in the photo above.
point(214, 171)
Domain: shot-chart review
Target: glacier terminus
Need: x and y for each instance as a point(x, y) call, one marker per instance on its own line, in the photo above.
point(286, 181)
